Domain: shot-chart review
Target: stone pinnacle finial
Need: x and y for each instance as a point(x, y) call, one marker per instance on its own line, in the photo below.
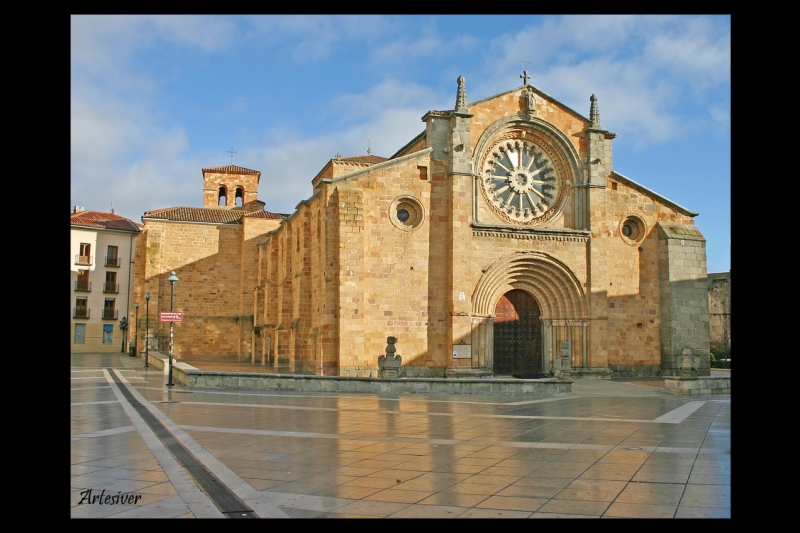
point(461, 95)
point(594, 114)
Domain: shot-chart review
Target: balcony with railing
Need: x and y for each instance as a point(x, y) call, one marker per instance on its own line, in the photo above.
point(83, 286)
point(80, 312)
point(110, 314)
point(110, 287)
point(84, 259)
point(112, 261)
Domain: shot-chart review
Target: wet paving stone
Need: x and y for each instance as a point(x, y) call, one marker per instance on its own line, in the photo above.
point(339, 455)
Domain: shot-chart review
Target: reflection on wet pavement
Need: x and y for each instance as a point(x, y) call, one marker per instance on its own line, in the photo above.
point(609, 450)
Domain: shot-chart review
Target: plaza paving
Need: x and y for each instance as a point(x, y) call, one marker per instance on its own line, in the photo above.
point(612, 449)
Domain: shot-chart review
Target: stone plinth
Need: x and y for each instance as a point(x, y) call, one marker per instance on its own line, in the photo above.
point(457, 372)
point(694, 386)
point(389, 364)
point(535, 388)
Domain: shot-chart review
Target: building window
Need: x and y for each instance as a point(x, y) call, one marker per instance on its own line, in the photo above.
point(222, 198)
point(108, 333)
point(82, 284)
point(80, 311)
point(108, 309)
point(80, 334)
point(406, 213)
point(633, 230)
point(239, 196)
point(85, 255)
point(111, 282)
point(112, 256)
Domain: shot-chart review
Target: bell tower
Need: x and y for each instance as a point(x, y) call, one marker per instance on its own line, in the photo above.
point(229, 186)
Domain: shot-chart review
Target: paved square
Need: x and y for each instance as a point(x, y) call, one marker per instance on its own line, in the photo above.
point(611, 449)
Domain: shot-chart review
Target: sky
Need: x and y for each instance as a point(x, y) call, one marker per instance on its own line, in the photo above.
point(155, 99)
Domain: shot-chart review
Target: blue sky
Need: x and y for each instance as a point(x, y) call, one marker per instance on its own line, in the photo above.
point(154, 99)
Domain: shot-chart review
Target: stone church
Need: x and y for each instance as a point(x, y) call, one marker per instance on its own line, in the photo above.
point(499, 241)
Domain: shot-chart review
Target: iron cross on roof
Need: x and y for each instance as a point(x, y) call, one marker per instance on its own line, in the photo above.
point(524, 77)
point(232, 151)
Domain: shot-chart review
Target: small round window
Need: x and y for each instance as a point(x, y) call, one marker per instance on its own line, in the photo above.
point(406, 213)
point(632, 229)
point(628, 229)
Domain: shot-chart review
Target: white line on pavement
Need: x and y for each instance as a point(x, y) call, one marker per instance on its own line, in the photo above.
point(676, 416)
point(198, 502)
point(104, 432)
point(252, 497)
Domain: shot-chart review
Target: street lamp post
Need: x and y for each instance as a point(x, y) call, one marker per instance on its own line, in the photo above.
point(136, 323)
point(123, 326)
point(147, 330)
point(172, 279)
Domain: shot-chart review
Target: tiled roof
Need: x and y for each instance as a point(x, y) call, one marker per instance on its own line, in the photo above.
point(368, 159)
point(100, 219)
point(265, 214)
point(232, 169)
point(204, 214)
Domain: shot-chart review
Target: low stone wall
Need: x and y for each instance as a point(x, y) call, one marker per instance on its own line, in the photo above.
point(589, 373)
point(158, 360)
point(359, 371)
point(544, 388)
point(697, 385)
point(407, 371)
point(626, 371)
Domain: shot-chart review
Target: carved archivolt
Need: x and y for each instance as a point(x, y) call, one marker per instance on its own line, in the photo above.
point(556, 289)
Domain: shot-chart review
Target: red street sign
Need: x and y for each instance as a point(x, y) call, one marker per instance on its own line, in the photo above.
point(170, 317)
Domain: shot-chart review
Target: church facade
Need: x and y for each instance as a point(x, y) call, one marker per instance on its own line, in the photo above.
point(499, 241)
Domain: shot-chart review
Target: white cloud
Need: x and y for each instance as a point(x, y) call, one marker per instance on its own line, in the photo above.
point(407, 49)
point(288, 167)
point(206, 33)
point(111, 140)
point(695, 50)
point(102, 45)
point(310, 38)
point(650, 73)
point(629, 102)
point(721, 115)
point(387, 94)
point(642, 69)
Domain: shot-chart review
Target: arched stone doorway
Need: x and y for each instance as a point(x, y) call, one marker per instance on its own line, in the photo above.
point(517, 335)
point(561, 310)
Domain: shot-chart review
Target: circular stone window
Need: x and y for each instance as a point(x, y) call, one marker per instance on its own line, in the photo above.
point(522, 179)
point(406, 213)
point(632, 229)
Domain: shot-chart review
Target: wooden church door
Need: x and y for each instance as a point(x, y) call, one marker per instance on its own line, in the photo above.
point(517, 335)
